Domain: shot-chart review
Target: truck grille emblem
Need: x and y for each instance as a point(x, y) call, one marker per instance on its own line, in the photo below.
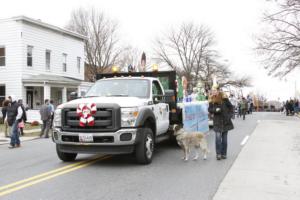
point(86, 113)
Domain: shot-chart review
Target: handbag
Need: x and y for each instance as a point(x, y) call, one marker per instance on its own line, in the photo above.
point(21, 125)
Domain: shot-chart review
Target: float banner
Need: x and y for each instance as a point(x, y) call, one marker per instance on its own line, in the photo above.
point(195, 117)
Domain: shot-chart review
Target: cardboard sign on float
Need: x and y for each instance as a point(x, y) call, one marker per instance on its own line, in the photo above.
point(195, 117)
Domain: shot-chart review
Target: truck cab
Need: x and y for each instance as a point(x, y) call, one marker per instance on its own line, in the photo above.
point(118, 115)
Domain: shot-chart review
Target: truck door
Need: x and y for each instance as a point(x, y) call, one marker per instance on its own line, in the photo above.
point(161, 109)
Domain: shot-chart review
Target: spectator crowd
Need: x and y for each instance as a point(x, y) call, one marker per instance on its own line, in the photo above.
point(14, 118)
point(290, 107)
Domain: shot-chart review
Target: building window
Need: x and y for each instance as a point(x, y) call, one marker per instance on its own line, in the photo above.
point(78, 64)
point(2, 94)
point(29, 56)
point(2, 56)
point(64, 63)
point(48, 57)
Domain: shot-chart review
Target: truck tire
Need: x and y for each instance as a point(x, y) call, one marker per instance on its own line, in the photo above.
point(66, 157)
point(144, 149)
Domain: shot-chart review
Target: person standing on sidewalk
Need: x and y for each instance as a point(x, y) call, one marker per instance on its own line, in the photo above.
point(52, 109)
point(24, 117)
point(244, 107)
point(287, 107)
point(5, 104)
point(234, 103)
point(251, 106)
point(222, 109)
point(14, 117)
point(296, 106)
point(45, 117)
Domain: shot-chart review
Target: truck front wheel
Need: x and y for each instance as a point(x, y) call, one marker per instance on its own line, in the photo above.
point(66, 157)
point(144, 149)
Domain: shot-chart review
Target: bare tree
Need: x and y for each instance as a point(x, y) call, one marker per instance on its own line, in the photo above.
point(130, 56)
point(190, 51)
point(211, 68)
point(184, 49)
point(225, 77)
point(101, 47)
point(279, 46)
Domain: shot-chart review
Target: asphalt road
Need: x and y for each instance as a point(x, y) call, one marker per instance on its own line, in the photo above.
point(118, 177)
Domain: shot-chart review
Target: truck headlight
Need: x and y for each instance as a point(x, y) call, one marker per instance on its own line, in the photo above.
point(57, 118)
point(129, 116)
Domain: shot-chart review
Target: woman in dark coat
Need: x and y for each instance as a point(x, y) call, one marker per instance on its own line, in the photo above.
point(222, 109)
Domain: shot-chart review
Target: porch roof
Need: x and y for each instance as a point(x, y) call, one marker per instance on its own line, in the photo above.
point(50, 79)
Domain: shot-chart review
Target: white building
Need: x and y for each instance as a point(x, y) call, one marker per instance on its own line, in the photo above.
point(39, 61)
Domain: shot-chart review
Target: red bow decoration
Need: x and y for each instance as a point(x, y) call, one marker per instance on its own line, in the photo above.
point(86, 112)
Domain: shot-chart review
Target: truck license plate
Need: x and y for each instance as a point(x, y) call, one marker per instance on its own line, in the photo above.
point(86, 138)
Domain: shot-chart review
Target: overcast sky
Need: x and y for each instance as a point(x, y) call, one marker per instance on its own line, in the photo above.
point(234, 22)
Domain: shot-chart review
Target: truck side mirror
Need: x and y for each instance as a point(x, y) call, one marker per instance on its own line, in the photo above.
point(156, 99)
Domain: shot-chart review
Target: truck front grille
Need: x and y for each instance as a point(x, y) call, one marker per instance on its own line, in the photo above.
point(107, 118)
point(97, 139)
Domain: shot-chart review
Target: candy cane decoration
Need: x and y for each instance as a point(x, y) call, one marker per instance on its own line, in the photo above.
point(86, 112)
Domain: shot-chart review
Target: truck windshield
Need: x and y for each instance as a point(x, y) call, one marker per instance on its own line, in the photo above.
point(120, 87)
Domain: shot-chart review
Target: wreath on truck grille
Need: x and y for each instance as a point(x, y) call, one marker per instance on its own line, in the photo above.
point(86, 112)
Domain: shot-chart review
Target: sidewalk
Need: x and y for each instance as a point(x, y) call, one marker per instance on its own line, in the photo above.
point(4, 140)
point(268, 167)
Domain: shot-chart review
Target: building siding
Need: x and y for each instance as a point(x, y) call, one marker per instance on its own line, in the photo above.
point(16, 35)
point(42, 39)
point(10, 75)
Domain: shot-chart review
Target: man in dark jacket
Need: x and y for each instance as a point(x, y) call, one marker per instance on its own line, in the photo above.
point(244, 107)
point(45, 113)
point(222, 109)
point(13, 117)
point(51, 106)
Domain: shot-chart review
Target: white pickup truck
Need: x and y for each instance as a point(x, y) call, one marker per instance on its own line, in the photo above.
point(119, 115)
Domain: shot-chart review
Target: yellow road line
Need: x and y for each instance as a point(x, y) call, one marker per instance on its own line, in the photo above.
point(44, 174)
point(51, 176)
point(48, 175)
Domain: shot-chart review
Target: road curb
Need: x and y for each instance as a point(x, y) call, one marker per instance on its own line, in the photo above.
point(8, 140)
